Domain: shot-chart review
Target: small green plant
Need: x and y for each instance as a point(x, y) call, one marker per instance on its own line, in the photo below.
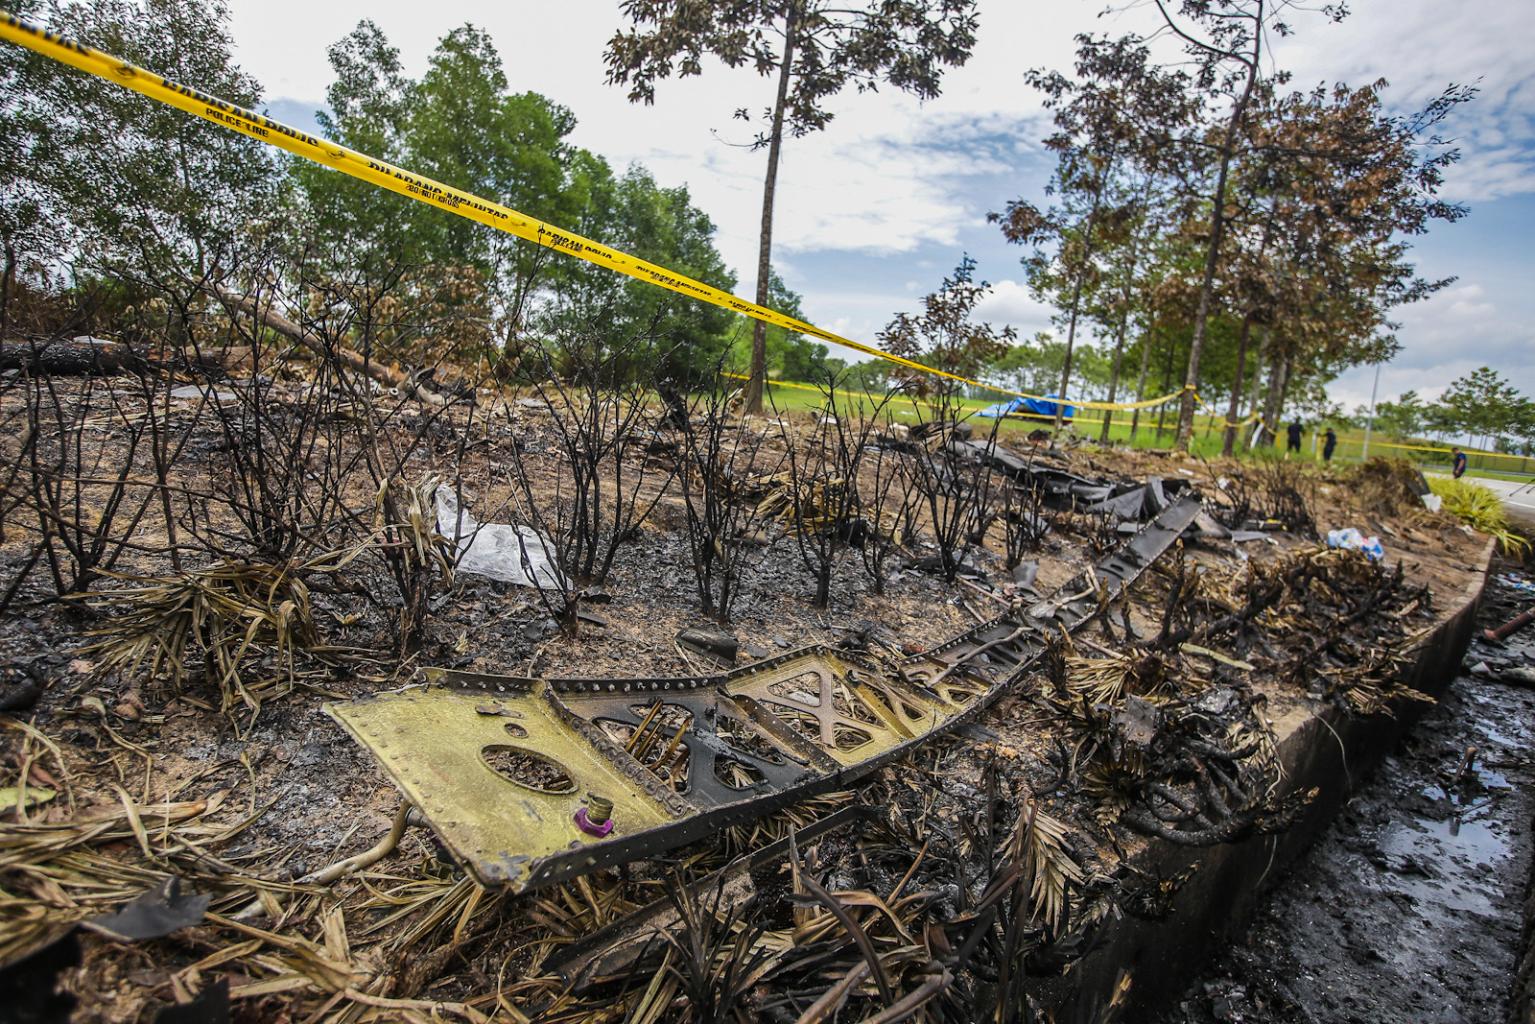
point(1481, 509)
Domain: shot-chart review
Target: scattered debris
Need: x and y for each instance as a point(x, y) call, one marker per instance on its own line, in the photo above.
point(674, 755)
point(1350, 539)
point(512, 554)
point(715, 643)
point(157, 913)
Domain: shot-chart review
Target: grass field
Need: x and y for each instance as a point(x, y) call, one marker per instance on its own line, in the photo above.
point(1207, 433)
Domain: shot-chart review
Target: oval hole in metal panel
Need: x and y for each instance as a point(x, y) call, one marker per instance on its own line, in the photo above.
point(527, 769)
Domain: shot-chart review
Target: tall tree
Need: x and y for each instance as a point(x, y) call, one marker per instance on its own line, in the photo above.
point(1402, 418)
point(459, 123)
point(1486, 404)
point(1225, 39)
point(815, 48)
point(148, 194)
point(1098, 117)
point(659, 224)
point(1350, 185)
point(28, 235)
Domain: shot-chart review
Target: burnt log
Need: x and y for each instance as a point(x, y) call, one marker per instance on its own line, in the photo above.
point(81, 357)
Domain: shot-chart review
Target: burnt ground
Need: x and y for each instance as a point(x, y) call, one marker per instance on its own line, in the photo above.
point(1409, 908)
point(277, 792)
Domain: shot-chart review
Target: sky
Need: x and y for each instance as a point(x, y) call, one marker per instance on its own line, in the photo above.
point(874, 211)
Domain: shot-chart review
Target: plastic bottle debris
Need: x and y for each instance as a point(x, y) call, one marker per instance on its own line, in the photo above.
point(1518, 584)
point(1350, 539)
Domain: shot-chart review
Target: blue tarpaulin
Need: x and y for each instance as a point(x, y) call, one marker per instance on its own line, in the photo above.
point(1037, 406)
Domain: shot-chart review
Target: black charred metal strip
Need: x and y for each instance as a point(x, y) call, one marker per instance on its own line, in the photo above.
point(533, 781)
point(614, 949)
point(1058, 486)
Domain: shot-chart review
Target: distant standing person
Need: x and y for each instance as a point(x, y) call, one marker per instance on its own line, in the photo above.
point(1329, 444)
point(1293, 441)
point(1458, 464)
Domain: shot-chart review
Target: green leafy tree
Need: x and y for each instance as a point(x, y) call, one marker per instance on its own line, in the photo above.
point(28, 233)
point(1403, 418)
point(1523, 428)
point(143, 192)
point(814, 48)
point(463, 127)
point(1442, 419)
point(460, 124)
point(634, 213)
point(944, 333)
point(1485, 403)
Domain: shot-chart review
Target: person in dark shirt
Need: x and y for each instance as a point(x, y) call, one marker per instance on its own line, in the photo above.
point(1458, 464)
point(1329, 444)
point(1293, 440)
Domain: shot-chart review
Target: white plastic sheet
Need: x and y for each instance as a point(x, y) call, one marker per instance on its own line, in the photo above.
point(513, 554)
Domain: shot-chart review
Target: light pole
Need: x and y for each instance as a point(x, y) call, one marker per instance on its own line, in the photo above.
point(1369, 422)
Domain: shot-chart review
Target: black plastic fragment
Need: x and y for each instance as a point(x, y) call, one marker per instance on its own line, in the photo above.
point(155, 914)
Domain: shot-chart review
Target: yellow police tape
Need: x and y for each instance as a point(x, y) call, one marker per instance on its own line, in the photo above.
point(422, 189)
point(1225, 422)
point(1473, 453)
point(384, 175)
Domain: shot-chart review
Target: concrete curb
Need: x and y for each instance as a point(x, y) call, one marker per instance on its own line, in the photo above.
point(1331, 751)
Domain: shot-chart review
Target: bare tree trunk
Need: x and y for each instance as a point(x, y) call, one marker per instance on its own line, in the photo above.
point(1071, 337)
point(1140, 384)
point(1119, 358)
point(7, 282)
point(1217, 234)
point(1255, 399)
point(1279, 371)
point(755, 385)
point(1119, 335)
point(1076, 291)
point(1238, 386)
point(1167, 380)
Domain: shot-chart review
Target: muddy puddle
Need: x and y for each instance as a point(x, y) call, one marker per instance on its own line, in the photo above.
point(1409, 908)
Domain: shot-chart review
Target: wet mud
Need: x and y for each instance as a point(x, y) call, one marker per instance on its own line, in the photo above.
point(1410, 907)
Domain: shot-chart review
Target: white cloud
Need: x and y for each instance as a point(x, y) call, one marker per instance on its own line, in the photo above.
point(1420, 48)
point(1010, 304)
point(891, 175)
point(1447, 336)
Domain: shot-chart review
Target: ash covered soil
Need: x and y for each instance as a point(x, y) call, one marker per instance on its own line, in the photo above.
point(1410, 907)
point(252, 799)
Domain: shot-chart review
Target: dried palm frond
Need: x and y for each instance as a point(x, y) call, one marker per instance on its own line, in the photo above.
point(820, 505)
point(1109, 680)
point(231, 617)
point(1050, 867)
